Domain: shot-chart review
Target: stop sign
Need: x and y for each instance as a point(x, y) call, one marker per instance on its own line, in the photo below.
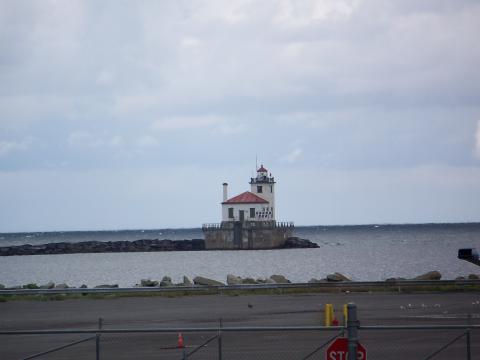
point(338, 350)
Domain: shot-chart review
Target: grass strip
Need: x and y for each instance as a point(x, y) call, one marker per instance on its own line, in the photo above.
point(225, 292)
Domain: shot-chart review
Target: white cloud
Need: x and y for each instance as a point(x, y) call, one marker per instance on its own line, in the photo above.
point(105, 77)
point(300, 14)
point(190, 42)
point(477, 140)
point(7, 147)
point(185, 123)
point(292, 156)
point(312, 120)
point(231, 12)
point(89, 140)
point(83, 139)
point(147, 141)
point(232, 129)
point(215, 124)
point(116, 140)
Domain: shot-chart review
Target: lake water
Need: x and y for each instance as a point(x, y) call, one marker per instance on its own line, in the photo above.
point(369, 252)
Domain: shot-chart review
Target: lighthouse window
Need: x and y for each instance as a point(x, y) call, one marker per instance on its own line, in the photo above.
point(230, 213)
point(252, 213)
point(271, 188)
point(259, 189)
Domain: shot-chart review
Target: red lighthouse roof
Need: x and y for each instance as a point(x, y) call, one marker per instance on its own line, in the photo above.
point(246, 198)
point(262, 169)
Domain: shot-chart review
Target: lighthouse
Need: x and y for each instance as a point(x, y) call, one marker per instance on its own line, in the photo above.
point(248, 219)
point(264, 186)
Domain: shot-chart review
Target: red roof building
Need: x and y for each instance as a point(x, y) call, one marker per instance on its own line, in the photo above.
point(258, 204)
point(246, 198)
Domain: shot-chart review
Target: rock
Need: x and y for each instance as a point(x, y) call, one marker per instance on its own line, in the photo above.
point(297, 243)
point(264, 281)
point(2, 286)
point(166, 281)
point(200, 280)
point(14, 287)
point(315, 281)
point(460, 278)
point(30, 286)
point(61, 286)
point(83, 286)
point(337, 277)
point(431, 275)
point(233, 280)
point(395, 279)
point(280, 279)
point(473, 277)
point(106, 286)
point(49, 285)
point(186, 281)
point(198, 244)
point(249, 281)
point(148, 283)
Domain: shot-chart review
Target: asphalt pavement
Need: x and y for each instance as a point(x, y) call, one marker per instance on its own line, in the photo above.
point(241, 311)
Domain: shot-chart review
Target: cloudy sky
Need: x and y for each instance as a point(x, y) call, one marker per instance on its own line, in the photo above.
point(131, 114)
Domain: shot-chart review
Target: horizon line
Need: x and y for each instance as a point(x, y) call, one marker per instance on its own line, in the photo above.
point(199, 227)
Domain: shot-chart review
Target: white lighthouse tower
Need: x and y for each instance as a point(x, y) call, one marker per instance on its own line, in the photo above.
point(264, 186)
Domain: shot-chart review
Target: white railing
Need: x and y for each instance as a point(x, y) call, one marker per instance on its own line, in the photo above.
point(258, 224)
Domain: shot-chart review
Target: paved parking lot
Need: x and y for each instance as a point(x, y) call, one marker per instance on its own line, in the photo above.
point(255, 310)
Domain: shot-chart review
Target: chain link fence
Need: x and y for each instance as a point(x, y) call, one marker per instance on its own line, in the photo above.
point(246, 343)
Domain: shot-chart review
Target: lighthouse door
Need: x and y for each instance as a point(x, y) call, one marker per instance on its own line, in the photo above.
point(237, 235)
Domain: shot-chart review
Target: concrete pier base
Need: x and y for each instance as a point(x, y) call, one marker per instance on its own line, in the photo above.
point(248, 235)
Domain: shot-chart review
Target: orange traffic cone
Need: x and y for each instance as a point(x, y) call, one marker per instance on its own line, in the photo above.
point(180, 344)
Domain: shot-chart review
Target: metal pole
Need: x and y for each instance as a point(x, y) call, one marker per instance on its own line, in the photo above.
point(220, 340)
point(469, 354)
point(97, 340)
point(352, 331)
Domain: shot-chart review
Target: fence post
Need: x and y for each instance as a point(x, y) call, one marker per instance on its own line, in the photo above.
point(469, 354)
point(220, 340)
point(97, 340)
point(352, 331)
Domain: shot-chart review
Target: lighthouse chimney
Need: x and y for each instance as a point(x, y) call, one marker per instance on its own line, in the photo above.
point(225, 191)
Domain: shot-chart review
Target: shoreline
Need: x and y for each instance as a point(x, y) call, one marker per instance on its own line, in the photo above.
point(400, 287)
point(232, 281)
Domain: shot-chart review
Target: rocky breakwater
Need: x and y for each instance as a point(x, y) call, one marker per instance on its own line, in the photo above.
point(144, 245)
point(298, 243)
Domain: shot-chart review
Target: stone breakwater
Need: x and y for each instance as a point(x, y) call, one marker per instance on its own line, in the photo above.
point(232, 280)
point(143, 245)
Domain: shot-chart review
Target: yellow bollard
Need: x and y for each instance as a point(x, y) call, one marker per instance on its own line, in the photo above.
point(328, 314)
point(345, 316)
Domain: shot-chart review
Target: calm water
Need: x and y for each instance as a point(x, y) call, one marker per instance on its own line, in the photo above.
point(361, 252)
